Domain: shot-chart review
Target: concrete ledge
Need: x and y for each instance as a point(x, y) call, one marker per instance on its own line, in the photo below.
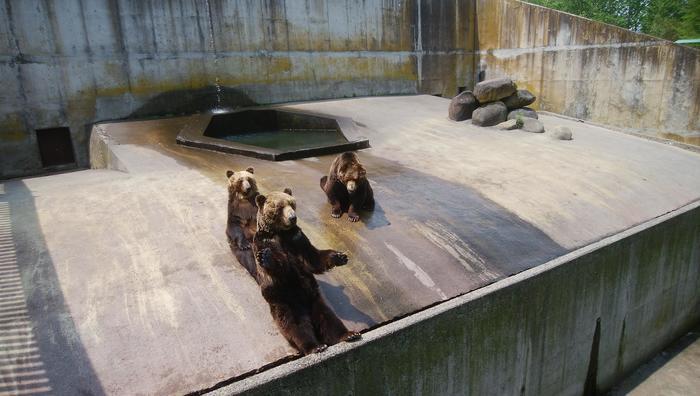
point(619, 300)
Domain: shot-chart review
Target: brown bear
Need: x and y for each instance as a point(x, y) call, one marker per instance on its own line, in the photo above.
point(242, 213)
point(347, 187)
point(288, 261)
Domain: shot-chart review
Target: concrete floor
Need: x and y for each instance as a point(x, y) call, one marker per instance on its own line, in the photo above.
point(674, 372)
point(124, 283)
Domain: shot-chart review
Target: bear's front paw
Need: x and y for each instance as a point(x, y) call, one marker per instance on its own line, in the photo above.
point(353, 217)
point(339, 259)
point(264, 257)
point(244, 245)
point(351, 336)
point(319, 348)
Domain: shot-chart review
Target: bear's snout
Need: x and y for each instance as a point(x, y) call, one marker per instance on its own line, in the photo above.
point(245, 186)
point(351, 186)
point(291, 215)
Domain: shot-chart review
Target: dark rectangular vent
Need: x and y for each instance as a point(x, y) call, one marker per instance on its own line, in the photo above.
point(55, 146)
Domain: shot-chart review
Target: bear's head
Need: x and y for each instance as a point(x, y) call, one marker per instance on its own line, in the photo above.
point(242, 184)
point(350, 171)
point(276, 211)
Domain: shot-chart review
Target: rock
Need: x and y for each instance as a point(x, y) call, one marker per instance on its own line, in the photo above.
point(462, 106)
point(490, 114)
point(493, 90)
point(520, 98)
point(560, 133)
point(508, 125)
point(532, 125)
point(525, 112)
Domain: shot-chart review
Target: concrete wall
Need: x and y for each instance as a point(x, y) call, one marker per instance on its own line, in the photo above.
point(592, 71)
point(576, 324)
point(73, 62)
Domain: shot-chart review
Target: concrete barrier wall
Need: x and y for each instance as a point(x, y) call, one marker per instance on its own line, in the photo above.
point(593, 71)
point(74, 62)
point(576, 324)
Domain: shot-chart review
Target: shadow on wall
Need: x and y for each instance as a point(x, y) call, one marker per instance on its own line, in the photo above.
point(187, 101)
point(40, 349)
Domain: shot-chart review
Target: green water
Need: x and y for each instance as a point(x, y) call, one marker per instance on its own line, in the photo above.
point(288, 140)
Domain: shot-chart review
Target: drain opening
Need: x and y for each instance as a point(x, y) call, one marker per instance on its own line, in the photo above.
point(55, 147)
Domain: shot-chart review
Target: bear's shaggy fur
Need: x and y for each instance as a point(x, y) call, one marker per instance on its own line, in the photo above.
point(347, 187)
point(242, 217)
point(287, 261)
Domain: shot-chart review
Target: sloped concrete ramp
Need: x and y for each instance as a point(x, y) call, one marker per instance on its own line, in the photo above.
point(123, 281)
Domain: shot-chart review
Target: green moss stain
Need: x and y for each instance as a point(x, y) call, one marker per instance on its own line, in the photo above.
point(12, 129)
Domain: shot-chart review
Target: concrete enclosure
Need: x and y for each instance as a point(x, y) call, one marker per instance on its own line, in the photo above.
point(74, 62)
point(571, 327)
point(71, 63)
point(592, 71)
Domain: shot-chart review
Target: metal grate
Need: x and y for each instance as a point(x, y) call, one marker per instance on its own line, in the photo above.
point(21, 366)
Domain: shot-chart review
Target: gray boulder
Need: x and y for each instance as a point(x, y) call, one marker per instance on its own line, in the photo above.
point(532, 125)
point(508, 125)
point(495, 89)
point(560, 133)
point(462, 106)
point(490, 114)
point(520, 98)
point(525, 112)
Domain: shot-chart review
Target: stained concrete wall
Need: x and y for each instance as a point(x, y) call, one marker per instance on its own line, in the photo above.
point(569, 327)
point(74, 62)
point(592, 71)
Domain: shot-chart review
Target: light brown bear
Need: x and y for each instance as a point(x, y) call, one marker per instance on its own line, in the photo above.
point(242, 214)
point(288, 261)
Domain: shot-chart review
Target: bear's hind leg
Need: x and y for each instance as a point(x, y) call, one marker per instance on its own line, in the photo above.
point(331, 330)
point(298, 330)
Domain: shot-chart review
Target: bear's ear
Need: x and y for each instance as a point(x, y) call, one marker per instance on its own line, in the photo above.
point(260, 200)
point(250, 170)
point(229, 173)
point(288, 191)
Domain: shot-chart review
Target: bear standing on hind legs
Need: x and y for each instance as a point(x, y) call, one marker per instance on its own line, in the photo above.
point(347, 187)
point(242, 214)
point(288, 261)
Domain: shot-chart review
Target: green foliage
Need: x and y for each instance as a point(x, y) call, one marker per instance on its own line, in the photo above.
point(668, 19)
point(663, 18)
point(519, 121)
point(690, 28)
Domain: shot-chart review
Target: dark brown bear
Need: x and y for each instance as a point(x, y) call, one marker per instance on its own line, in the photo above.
point(242, 214)
point(287, 261)
point(347, 187)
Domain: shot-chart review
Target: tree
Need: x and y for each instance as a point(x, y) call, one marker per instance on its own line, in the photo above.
point(663, 18)
point(690, 28)
point(669, 19)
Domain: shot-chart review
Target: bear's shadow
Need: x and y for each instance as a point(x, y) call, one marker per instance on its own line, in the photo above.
point(341, 304)
point(374, 219)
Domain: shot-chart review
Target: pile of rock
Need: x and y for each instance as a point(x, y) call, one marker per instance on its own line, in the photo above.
point(499, 102)
point(493, 102)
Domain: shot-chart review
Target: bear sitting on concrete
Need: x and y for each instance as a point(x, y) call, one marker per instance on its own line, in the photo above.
point(287, 261)
point(347, 187)
point(242, 213)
